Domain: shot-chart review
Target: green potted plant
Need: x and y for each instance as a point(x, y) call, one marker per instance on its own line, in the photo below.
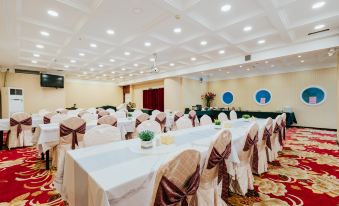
point(246, 117)
point(146, 138)
point(129, 115)
point(217, 124)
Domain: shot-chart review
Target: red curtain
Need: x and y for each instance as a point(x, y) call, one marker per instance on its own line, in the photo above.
point(153, 99)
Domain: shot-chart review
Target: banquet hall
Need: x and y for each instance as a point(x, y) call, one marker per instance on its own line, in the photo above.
point(169, 102)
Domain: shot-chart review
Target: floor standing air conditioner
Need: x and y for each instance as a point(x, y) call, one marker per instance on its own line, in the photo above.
point(12, 100)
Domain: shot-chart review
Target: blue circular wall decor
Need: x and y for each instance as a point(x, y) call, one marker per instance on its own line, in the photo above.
point(313, 95)
point(262, 96)
point(227, 98)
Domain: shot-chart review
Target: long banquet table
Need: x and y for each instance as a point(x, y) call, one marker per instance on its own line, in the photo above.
point(121, 174)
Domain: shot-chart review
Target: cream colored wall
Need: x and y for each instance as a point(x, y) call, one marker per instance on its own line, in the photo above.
point(285, 90)
point(87, 94)
point(337, 96)
point(35, 96)
point(173, 97)
point(137, 89)
point(192, 91)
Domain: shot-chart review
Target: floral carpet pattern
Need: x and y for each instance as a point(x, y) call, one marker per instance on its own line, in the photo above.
point(306, 173)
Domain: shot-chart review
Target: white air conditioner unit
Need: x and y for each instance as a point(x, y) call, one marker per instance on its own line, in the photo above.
point(12, 100)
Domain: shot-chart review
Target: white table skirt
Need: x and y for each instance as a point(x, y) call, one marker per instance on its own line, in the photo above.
point(114, 174)
point(36, 120)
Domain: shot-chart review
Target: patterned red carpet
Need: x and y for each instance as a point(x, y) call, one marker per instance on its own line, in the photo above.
point(306, 173)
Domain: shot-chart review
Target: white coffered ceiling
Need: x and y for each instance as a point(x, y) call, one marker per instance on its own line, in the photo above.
point(114, 40)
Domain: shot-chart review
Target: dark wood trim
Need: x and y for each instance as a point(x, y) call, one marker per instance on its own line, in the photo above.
point(314, 128)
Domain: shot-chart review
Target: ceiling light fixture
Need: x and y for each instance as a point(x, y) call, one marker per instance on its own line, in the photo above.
point(227, 72)
point(221, 51)
point(123, 69)
point(136, 65)
point(147, 44)
point(247, 28)
point(34, 61)
point(104, 75)
point(91, 69)
point(44, 33)
point(66, 66)
point(248, 69)
point(112, 60)
point(320, 26)
point(262, 41)
point(152, 59)
point(272, 65)
point(193, 59)
point(127, 53)
point(121, 77)
point(52, 13)
point(84, 73)
point(100, 65)
point(318, 5)
point(266, 62)
point(39, 46)
point(203, 43)
point(93, 45)
point(299, 56)
point(302, 61)
point(110, 32)
point(172, 64)
point(130, 75)
point(177, 30)
point(113, 72)
point(226, 8)
point(141, 72)
point(36, 55)
point(81, 54)
point(73, 61)
point(240, 66)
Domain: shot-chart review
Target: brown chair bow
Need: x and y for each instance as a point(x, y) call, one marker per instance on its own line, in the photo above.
point(168, 194)
point(283, 125)
point(108, 119)
point(267, 137)
point(47, 120)
point(192, 117)
point(64, 131)
point(161, 119)
point(217, 159)
point(255, 157)
point(277, 129)
point(13, 122)
point(177, 116)
point(102, 113)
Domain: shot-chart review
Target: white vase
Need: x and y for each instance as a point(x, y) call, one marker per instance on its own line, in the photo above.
point(217, 126)
point(146, 144)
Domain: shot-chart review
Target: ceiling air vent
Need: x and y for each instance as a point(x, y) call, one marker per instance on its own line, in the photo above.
point(316, 32)
point(248, 58)
point(22, 71)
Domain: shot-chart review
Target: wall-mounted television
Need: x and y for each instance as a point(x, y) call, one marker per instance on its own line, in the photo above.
point(50, 80)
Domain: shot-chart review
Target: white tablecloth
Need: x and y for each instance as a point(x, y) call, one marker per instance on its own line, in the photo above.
point(36, 120)
point(115, 174)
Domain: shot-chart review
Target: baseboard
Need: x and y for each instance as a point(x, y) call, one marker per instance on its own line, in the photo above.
point(315, 128)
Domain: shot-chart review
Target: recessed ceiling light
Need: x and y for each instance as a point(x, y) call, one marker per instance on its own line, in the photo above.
point(240, 66)
point(52, 13)
point(227, 72)
point(151, 59)
point(320, 26)
point(44, 33)
point(73, 61)
point(66, 66)
point(177, 30)
point(121, 77)
point(262, 41)
point(100, 65)
point(302, 61)
point(203, 43)
point(221, 51)
point(113, 72)
point(81, 54)
point(141, 72)
point(272, 65)
point(36, 55)
point(84, 73)
point(91, 69)
point(247, 28)
point(104, 75)
point(318, 5)
point(147, 44)
point(112, 60)
point(127, 53)
point(248, 69)
point(137, 10)
point(226, 8)
point(299, 56)
point(193, 58)
point(266, 62)
point(93, 45)
point(130, 75)
point(113, 79)
point(39, 46)
point(123, 69)
point(136, 65)
point(172, 64)
point(97, 77)
point(110, 31)
point(34, 61)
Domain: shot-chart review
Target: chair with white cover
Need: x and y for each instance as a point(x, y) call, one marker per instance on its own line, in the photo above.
point(205, 120)
point(276, 139)
point(183, 123)
point(264, 144)
point(100, 110)
point(214, 180)
point(111, 111)
point(177, 180)
point(222, 117)
point(136, 113)
point(141, 118)
point(283, 125)
point(20, 130)
point(62, 111)
point(177, 116)
point(155, 112)
point(43, 112)
point(57, 118)
point(247, 151)
point(108, 119)
point(161, 119)
point(92, 110)
point(149, 125)
point(46, 120)
point(80, 114)
point(73, 113)
point(103, 113)
point(192, 115)
point(233, 115)
point(120, 114)
point(102, 134)
point(89, 117)
point(72, 132)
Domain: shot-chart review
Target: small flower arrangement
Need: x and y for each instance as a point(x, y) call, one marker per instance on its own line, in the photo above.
point(146, 138)
point(129, 114)
point(246, 116)
point(208, 97)
point(217, 122)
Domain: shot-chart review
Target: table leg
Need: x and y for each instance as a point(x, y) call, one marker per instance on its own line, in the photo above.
point(47, 160)
point(1, 140)
point(42, 156)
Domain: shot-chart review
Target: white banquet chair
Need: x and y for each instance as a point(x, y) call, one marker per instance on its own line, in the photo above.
point(222, 117)
point(81, 113)
point(180, 172)
point(264, 144)
point(155, 112)
point(46, 120)
point(205, 120)
point(20, 130)
point(161, 119)
point(243, 179)
point(108, 119)
point(120, 114)
point(233, 115)
point(212, 190)
point(102, 134)
point(62, 111)
point(43, 112)
point(192, 115)
point(149, 125)
point(111, 111)
point(89, 117)
point(177, 116)
point(103, 113)
point(59, 117)
point(136, 113)
point(277, 139)
point(92, 110)
point(100, 110)
point(183, 123)
point(283, 125)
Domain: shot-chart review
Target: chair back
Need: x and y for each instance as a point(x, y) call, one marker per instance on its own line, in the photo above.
point(249, 146)
point(161, 119)
point(177, 115)
point(72, 131)
point(81, 113)
point(149, 125)
point(205, 120)
point(122, 106)
point(102, 134)
point(103, 113)
point(155, 112)
point(20, 121)
point(111, 111)
point(233, 115)
point(178, 179)
point(92, 110)
point(183, 123)
point(62, 111)
point(265, 133)
point(222, 117)
point(47, 117)
point(57, 118)
point(120, 114)
point(108, 119)
point(141, 118)
point(192, 115)
point(100, 110)
point(43, 112)
point(136, 113)
point(89, 117)
point(277, 129)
